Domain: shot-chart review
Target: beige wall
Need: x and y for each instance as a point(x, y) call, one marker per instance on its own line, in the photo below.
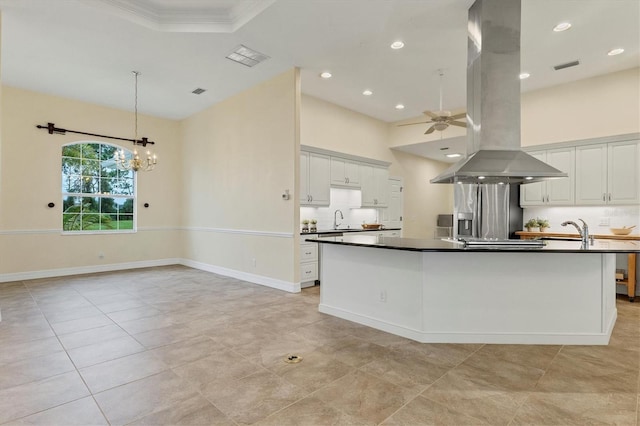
point(329, 126)
point(590, 108)
point(240, 156)
point(30, 178)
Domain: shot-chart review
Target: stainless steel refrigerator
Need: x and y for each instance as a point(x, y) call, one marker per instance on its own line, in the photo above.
point(486, 211)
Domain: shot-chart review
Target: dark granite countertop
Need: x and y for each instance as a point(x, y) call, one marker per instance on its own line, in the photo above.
point(347, 230)
point(438, 245)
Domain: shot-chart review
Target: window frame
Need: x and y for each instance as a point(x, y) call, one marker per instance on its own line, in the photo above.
point(98, 195)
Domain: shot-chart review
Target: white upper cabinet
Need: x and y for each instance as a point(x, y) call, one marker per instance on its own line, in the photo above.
point(554, 191)
point(345, 173)
point(375, 186)
point(315, 176)
point(623, 174)
point(608, 173)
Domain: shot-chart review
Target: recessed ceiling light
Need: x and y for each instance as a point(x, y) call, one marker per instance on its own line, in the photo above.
point(397, 45)
point(367, 92)
point(614, 52)
point(528, 178)
point(524, 75)
point(325, 74)
point(481, 177)
point(453, 155)
point(562, 26)
point(399, 106)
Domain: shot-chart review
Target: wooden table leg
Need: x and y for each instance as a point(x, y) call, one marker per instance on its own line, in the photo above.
point(631, 277)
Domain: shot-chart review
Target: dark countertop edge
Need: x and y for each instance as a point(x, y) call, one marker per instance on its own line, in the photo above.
point(344, 231)
point(459, 249)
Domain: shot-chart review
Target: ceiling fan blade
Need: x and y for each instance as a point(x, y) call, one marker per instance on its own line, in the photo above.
point(431, 114)
point(457, 116)
point(411, 124)
point(458, 123)
point(430, 130)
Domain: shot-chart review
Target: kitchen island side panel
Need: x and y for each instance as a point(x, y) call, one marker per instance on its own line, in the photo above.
point(506, 293)
point(379, 288)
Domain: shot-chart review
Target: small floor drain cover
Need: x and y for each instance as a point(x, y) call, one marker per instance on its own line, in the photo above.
point(292, 359)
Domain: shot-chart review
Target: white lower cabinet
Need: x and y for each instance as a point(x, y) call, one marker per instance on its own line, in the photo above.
point(308, 262)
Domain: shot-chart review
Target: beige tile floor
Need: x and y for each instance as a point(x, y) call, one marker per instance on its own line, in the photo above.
point(175, 345)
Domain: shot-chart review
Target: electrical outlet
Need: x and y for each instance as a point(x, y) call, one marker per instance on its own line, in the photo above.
point(604, 221)
point(253, 262)
point(100, 255)
point(383, 296)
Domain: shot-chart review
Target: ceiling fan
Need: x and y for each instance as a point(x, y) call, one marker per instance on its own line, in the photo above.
point(441, 119)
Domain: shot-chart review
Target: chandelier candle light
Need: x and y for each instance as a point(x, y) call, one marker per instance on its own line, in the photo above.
point(136, 163)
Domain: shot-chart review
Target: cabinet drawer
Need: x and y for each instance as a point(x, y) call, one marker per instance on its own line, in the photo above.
point(308, 252)
point(308, 271)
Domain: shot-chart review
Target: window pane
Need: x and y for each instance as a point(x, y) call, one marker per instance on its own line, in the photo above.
point(90, 222)
point(107, 222)
point(90, 168)
point(71, 204)
point(125, 205)
point(108, 205)
point(90, 151)
point(124, 187)
point(107, 151)
point(125, 174)
point(125, 222)
point(71, 166)
point(71, 183)
point(71, 151)
point(90, 204)
point(108, 186)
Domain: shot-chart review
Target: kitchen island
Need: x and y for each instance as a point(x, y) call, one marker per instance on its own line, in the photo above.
point(441, 291)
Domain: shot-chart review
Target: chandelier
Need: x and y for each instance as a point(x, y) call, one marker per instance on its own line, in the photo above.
point(136, 162)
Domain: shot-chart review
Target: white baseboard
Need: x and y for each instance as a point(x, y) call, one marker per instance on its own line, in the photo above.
point(61, 272)
point(246, 276)
point(253, 278)
point(526, 338)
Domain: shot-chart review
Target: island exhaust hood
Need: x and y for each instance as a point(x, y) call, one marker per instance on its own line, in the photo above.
point(493, 102)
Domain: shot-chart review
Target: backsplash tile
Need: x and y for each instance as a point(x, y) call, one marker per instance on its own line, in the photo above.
point(618, 217)
point(348, 202)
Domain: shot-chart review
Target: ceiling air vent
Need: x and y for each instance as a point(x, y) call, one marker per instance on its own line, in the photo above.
point(199, 91)
point(245, 56)
point(567, 65)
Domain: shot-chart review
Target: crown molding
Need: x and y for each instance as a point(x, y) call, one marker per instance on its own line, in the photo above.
point(187, 17)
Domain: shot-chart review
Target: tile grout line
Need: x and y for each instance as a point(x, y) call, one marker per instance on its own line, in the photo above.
point(72, 363)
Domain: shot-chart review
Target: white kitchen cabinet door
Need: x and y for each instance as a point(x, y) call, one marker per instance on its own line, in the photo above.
point(591, 174)
point(368, 185)
point(304, 178)
point(345, 173)
point(561, 191)
point(534, 194)
point(381, 176)
point(375, 186)
point(315, 176)
point(623, 175)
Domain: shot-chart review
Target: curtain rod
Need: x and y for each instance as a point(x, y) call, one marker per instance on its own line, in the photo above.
point(53, 129)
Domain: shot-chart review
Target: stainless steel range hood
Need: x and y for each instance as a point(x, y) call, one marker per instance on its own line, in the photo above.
point(493, 102)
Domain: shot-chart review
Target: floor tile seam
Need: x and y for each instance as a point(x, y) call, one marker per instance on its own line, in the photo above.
point(10, 421)
point(450, 370)
point(101, 341)
point(119, 358)
point(87, 329)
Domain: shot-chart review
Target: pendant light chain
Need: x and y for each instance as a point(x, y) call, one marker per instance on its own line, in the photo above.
point(136, 73)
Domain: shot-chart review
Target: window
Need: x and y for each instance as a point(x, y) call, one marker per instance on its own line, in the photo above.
point(96, 196)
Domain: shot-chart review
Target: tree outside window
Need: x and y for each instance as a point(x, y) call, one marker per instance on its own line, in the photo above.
point(96, 196)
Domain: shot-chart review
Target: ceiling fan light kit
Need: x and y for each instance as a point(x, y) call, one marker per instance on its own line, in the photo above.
point(441, 119)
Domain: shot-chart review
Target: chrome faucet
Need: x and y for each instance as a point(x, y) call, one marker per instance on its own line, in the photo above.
point(335, 221)
point(584, 231)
